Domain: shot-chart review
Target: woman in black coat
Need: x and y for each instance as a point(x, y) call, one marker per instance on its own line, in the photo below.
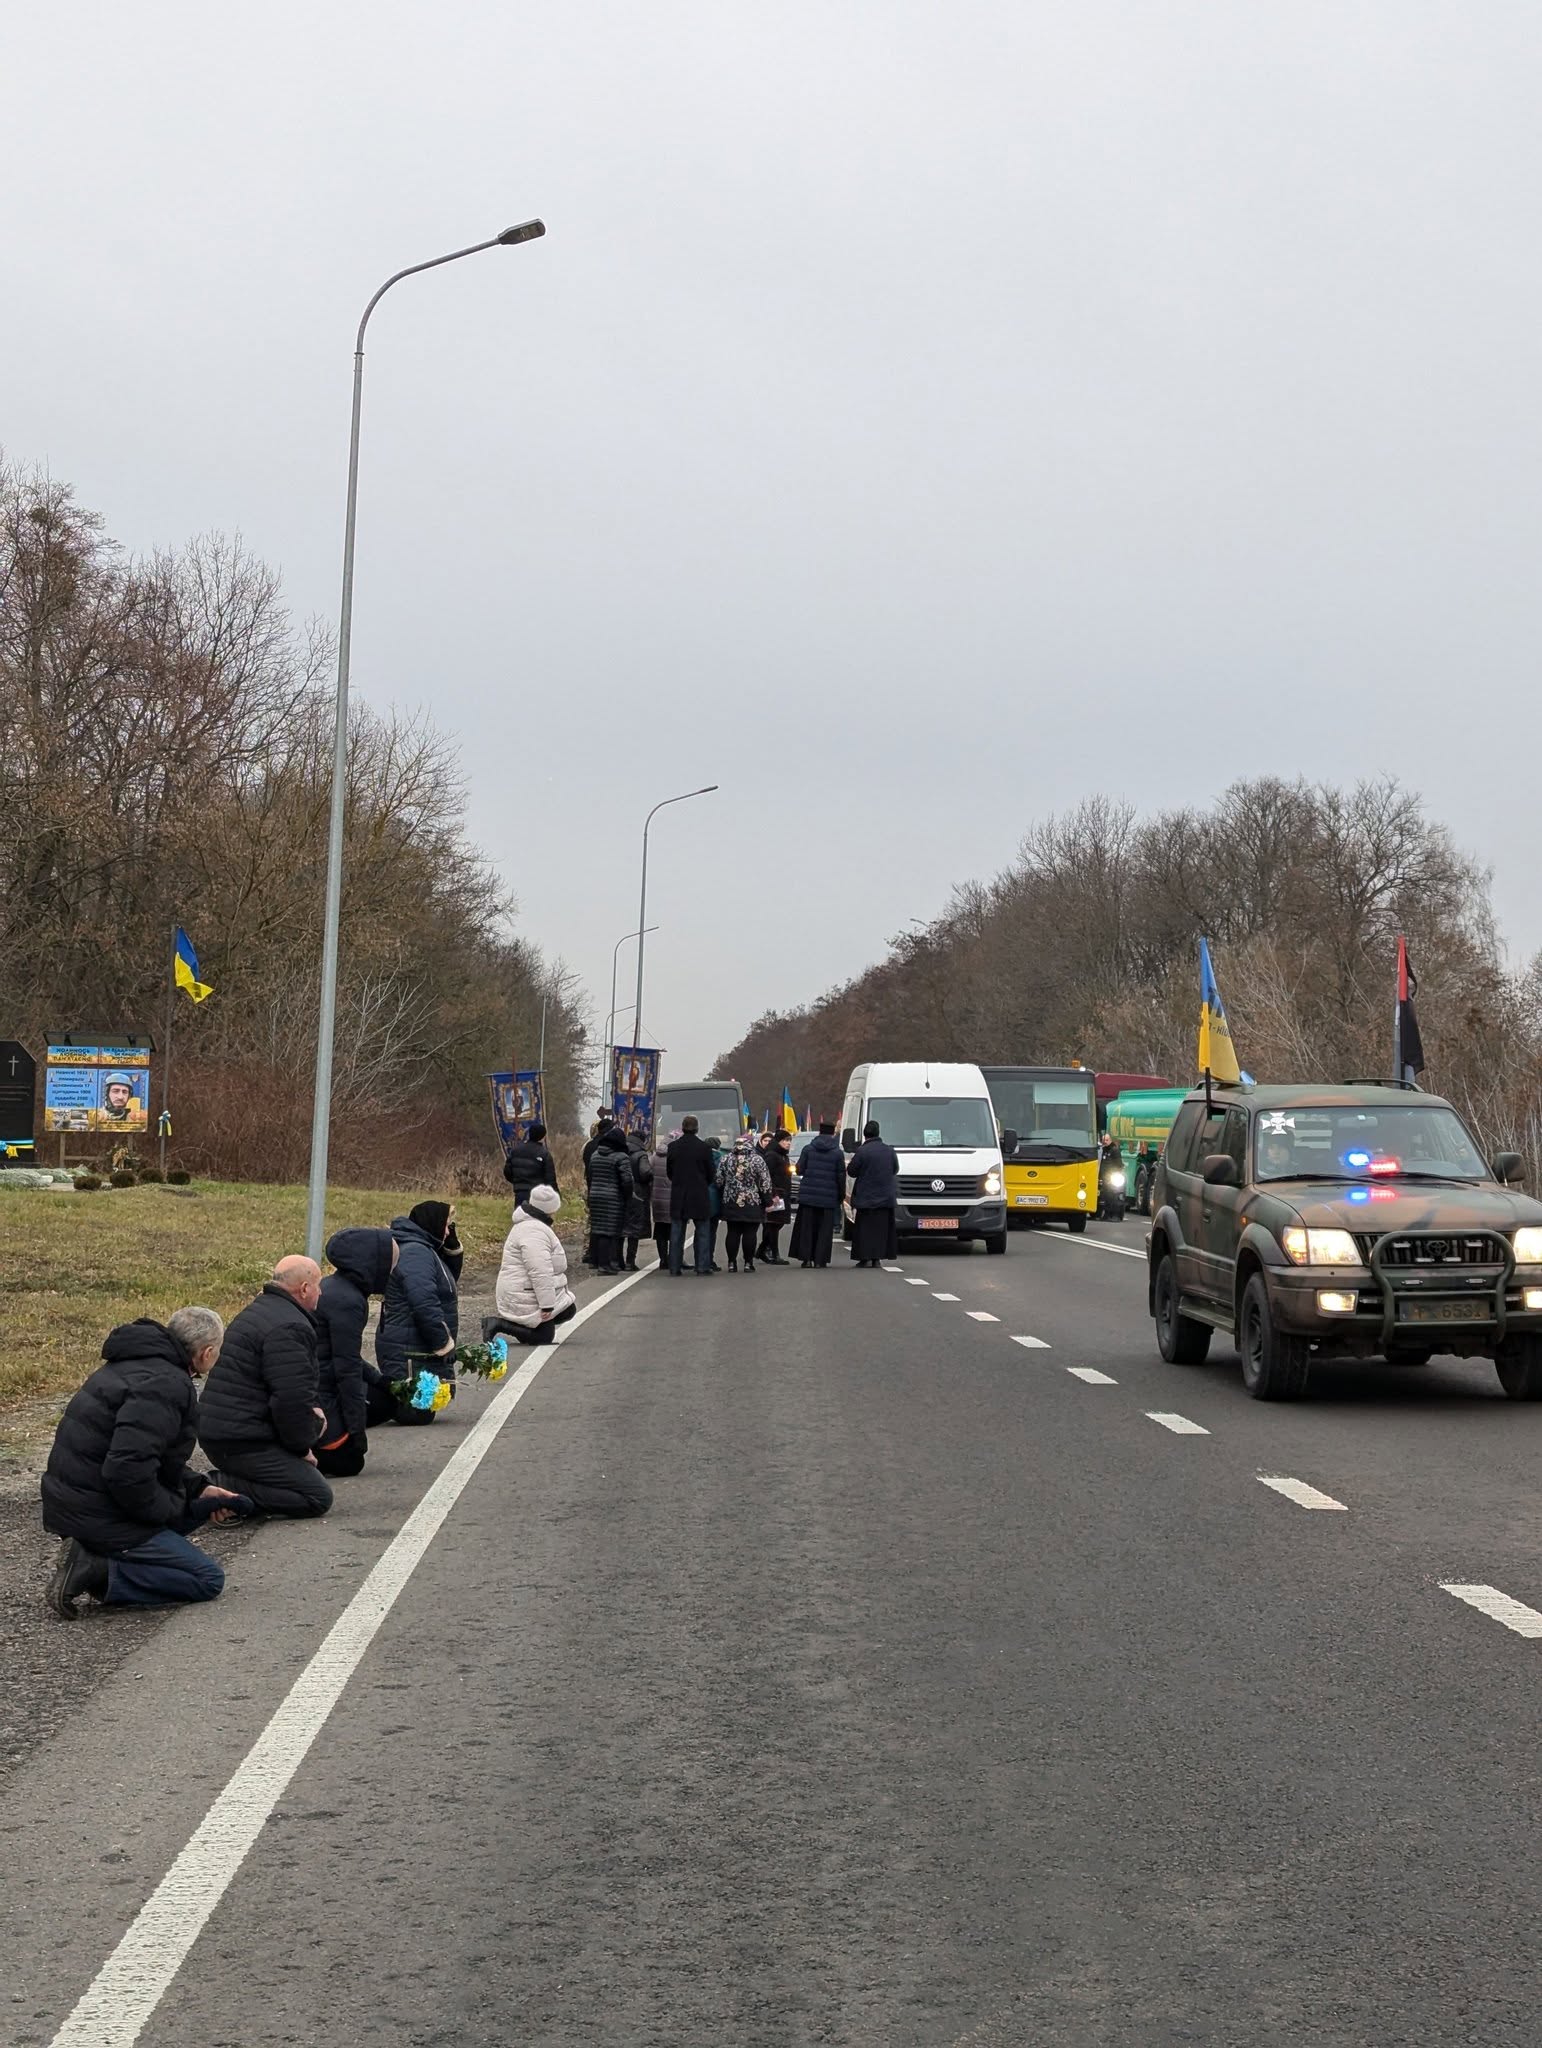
point(821, 1186)
point(874, 1172)
point(778, 1158)
point(420, 1315)
point(353, 1392)
point(611, 1185)
point(639, 1205)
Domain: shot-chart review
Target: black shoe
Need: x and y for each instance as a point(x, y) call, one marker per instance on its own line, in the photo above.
point(749, 1265)
point(733, 1265)
point(805, 1262)
point(608, 1271)
point(76, 1572)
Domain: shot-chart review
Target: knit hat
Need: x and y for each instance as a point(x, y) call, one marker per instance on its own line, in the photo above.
point(544, 1199)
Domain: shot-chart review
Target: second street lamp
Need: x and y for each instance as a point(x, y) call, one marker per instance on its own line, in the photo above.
point(642, 910)
point(610, 1022)
point(321, 1109)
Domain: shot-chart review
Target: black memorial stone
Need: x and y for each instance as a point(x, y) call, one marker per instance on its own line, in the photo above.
point(18, 1100)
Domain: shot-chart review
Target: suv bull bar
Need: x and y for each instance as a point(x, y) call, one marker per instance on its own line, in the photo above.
point(1477, 1285)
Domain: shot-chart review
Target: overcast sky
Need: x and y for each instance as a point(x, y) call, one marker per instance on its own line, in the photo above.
point(916, 418)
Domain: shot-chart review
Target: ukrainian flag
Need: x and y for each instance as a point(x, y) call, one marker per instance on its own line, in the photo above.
point(789, 1117)
point(186, 967)
point(1217, 1054)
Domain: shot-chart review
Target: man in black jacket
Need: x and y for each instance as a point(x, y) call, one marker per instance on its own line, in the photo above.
point(353, 1392)
point(261, 1410)
point(821, 1190)
point(118, 1487)
point(690, 1164)
point(529, 1165)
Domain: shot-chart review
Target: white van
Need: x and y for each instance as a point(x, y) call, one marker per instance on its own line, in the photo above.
point(938, 1117)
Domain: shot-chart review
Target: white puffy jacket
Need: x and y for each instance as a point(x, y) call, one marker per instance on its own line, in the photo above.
point(533, 1278)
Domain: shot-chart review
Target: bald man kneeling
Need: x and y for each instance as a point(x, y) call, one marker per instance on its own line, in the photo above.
point(261, 1413)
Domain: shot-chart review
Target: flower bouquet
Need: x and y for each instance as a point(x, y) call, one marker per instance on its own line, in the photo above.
point(423, 1390)
point(488, 1361)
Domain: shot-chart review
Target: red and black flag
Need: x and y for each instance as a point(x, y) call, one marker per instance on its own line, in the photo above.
point(1407, 1046)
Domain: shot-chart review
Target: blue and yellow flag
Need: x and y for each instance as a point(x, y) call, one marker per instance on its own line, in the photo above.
point(1217, 1054)
point(186, 966)
point(789, 1117)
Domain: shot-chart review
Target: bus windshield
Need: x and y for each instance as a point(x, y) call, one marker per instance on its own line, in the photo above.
point(927, 1122)
point(1058, 1110)
point(717, 1107)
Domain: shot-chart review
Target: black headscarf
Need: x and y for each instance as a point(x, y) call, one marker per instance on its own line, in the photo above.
point(434, 1217)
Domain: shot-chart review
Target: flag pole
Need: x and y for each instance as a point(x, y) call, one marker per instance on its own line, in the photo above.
point(171, 994)
point(1397, 1012)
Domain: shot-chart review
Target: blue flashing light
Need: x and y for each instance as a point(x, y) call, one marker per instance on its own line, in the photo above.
point(1357, 1159)
point(1359, 1194)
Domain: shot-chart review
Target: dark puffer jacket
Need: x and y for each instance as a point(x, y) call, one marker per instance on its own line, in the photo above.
point(363, 1262)
point(822, 1174)
point(264, 1386)
point(610, 1184)
point(421, 1312)
point(640, 1198)
point(529, 1164)
point(874, 1175)
point(118, 1469)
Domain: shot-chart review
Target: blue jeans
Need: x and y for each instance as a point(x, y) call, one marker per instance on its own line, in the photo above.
point(161, 1572)
point(703, 1246)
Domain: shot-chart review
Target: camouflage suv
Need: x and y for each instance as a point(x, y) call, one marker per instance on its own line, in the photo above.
point(1341, 1222)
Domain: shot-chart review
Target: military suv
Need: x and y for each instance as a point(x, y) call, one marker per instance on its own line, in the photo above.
point(1341, 1222)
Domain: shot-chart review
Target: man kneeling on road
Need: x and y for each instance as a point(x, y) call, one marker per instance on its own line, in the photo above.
point(261, 1411)
point(118, 1487)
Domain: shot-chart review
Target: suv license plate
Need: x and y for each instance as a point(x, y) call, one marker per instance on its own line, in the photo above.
point(1444, 1312)
point(938, 1222)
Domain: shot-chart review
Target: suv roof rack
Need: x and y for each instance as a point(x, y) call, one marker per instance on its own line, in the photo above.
point(1380, 1081)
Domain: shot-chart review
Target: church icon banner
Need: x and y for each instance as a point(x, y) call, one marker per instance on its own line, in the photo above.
point(635, 1087)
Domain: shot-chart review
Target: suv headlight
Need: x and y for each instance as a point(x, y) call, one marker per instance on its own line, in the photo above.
point(992, 1186)
point(1527, 1244)
point(1320, 1247)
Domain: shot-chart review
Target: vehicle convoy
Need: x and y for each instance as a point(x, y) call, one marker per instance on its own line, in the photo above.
point(940, 1120)
point(1362, 1221)
point(718, 1107)
point(1050, 1117)
point(1140, 1119)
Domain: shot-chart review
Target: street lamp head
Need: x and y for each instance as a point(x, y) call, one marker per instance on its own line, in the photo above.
point(527, 231)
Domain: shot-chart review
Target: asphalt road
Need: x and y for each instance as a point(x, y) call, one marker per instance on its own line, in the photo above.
point(806, 1660)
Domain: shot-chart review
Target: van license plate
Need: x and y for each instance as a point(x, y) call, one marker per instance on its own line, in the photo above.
point(938, 1222)
point(1444, 1312)
point(1033, 1201)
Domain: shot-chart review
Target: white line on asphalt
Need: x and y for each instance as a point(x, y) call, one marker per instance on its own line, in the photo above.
point(120, 2000)
point(911, 1281)
point(982, 1315)
point(1031, 1343)
point(1091, 1375)
point(1500, 1607)
point(1100, 1244)
point(894, 1269)
point(1180, 1425)
point(944, 1297)
point(1303, 1495)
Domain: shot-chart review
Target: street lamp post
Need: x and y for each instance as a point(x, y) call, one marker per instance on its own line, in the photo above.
point(610, 1022)
point(642, 908)
point(321, 1112)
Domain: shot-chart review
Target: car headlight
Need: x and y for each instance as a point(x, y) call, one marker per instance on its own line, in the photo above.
point(993, 1182)
point(1528, 1245)
point(1319, 1247)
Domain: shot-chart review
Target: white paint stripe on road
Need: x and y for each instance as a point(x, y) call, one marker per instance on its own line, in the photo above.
point(911, 1281)
point(894, 1269)
point(944, 1297)
point(1180, 1425)
point(982, 1315)
point(122, 1997)
point(1091, 1375)
point(1031, 1343)
point(1514, 1614)
point(1303, 1495)
point(1099, 1244)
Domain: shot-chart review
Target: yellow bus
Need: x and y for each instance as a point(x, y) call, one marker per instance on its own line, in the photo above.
point(1052, 1176)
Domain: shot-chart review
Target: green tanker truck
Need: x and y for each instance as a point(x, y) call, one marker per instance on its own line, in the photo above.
point(1140, 1119)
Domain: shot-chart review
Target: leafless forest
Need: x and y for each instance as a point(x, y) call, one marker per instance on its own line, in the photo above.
point(165, 757)
point(1086, 947)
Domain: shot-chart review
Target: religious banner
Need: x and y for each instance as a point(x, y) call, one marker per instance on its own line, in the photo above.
point(635, 1087)
point(518, 1103)
point(103, 1088)
point(18, 1102)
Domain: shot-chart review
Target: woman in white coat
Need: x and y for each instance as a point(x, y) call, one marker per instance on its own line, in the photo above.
point(533, 1295)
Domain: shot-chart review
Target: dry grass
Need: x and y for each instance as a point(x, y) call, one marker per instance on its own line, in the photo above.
point(72, 1266)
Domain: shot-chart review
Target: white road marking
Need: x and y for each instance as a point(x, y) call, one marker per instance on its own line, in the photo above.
point(1180, 1425)
point(911, 1281)
point(1525, 1621)
point(1031, 1343)
point(1099, 1244)
point(1091, 1375)
point(1303, 1495)
point(894, 1269)
point(120, 2000)
point(944, 1297)
point(982, 1315)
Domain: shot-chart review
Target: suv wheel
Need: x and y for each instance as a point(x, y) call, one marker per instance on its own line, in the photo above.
point(1180, 1339)
point(1519, 1367)
point(1274, 1367)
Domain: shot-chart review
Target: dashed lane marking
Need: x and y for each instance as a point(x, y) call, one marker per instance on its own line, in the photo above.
point(982, 1315)
point(912, 1281)
point(1180, 1425)
point(1303, 1495)
point(944, 1297)
point(1511, 1614)
point(1091, 1375)
point(1031, 1343)
point(1099, 1244)
point(894, 1269)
